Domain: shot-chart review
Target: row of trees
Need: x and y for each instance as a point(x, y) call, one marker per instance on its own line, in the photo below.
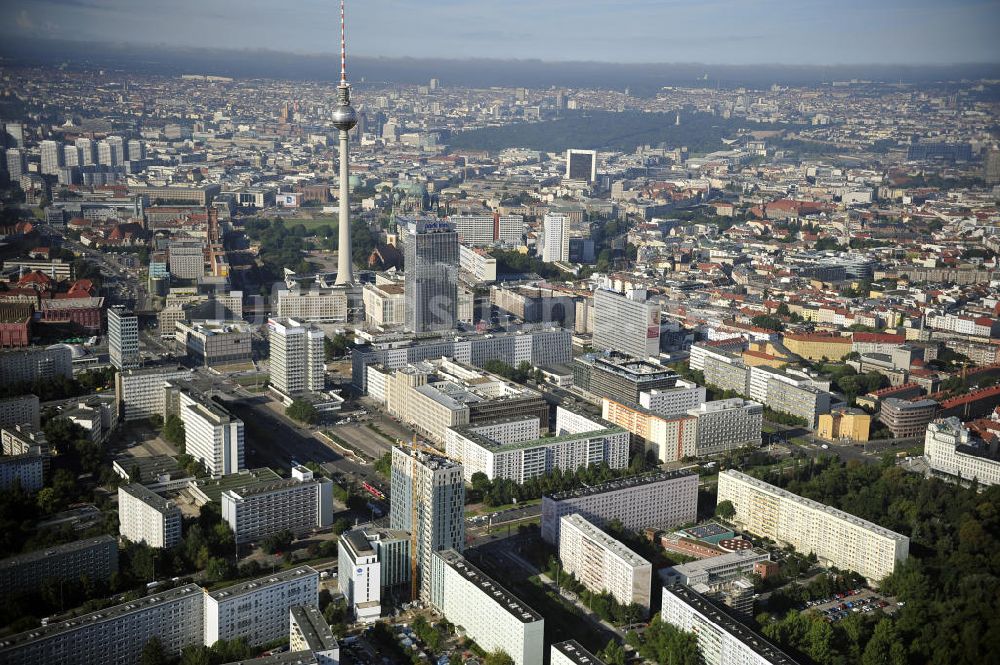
point(61, 387)
point(499, 491)
point(603, 604)
point(520, 374)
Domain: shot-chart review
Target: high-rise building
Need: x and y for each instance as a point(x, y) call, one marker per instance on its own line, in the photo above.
point(571, 652)
point(581, 165)
point(603, 564)
point(187, 258)
point(88, 151)
point(298, 504)
point(360, 575)
point(490, 614)
point(991, 166)
point(136, 150)
point(556, 240)
point(309, 632)
point(431, 277)
point(146, 517)
point(726, 424)
point(721, 639)
point(835, 537)
point(656, 500)
point(52, 157)
point(114, 635)
point(486, 229)
point(123, 338)
point(258, 610)
point(96, 558)
point(30, 365)
point(17, 165)
point(116, 148)
point(212, 435)
point(141, 393)
point(427, 498)
point(298, 359)
point(20, 410)
point(72, 156)
point(629, 323)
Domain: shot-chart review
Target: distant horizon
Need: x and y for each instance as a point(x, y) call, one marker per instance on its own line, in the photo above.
point(334, 56)
point(642, 79)
point(642, 32)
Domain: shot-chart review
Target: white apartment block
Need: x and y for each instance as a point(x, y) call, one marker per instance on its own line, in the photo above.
point(212, 435)
point(656, 500)
point(114, 635)
point(626, 322)
point(555, 245)
point(309, 631)
point(726, 424)
point(977, 326)
point(673, 401)
point(24, 471)
point(477, 263)
point(29, 365)
point(699, 352)
point(20, 410)
point(837, 538)
point(146, 517)
point(488, 229)
point(721, 639)
point(489, 614)
point(258, 610)
point(513, 448)
point(298, 360)
point(430, 489)
point(123, 338)
point(359, 575)
point(601, 563)
point(571, 653)
point(299, 504)
point(141, 393)
point(951, 451)
point(313, 305)
point(384, 304)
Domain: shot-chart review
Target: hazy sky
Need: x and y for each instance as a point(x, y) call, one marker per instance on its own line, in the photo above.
point(709, 31)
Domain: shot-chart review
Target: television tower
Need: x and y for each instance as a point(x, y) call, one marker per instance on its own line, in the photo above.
point(344, 119)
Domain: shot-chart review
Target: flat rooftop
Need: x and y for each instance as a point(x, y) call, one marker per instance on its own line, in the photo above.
point(500, 595)
point(280, 577)
point(148, 497)
point(815, 505)
point(576, 653)
point(57, 550)
point(692, 568)
point(107, 614)
point(150, 468)
point(314, 627)
point(616, 547)
point(757, 644)
point(622, 484)
point(212, 488)
point(357, 542)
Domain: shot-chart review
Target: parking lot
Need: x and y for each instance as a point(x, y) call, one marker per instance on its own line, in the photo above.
point(859, 601)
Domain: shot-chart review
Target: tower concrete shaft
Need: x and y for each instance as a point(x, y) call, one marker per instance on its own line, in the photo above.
point(345, 265)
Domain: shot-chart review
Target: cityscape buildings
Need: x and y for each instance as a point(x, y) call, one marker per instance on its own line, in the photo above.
point(123, 338)
point(431, 285)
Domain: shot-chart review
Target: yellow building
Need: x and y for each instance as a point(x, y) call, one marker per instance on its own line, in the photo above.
point(845, 424)
point(817, 347)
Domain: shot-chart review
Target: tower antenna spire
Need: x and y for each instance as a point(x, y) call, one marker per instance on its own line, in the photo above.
point(343, 46)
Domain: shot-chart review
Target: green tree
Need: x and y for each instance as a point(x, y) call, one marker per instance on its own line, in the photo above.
point(302, 411)
point(613, 653)
point(498, 657)
point(173, 431)
point(725, 509)
point(884, 648)
point(153, 653)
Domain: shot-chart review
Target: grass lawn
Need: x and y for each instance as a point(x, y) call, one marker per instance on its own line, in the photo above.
point(313, 224)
